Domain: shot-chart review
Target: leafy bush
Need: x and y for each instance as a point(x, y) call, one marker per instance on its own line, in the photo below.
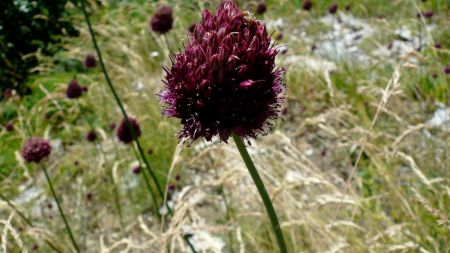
point(25, 27)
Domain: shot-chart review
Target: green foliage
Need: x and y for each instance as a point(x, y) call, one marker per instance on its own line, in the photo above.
point(28, 26)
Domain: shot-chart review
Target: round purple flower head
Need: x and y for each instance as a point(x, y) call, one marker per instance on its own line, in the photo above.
point(90, 61)
point(123, 131)
point(225, 80)
point(307, 5)
point(74, 90)
point(447, 70)
point(36, 149)
point(136, 170)
point(261, 8)
point(162, 20)
point(333, 8)
point(91, 136)
point(425, 14)
point(9, 127)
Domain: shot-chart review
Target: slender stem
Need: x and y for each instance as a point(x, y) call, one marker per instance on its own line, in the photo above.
point(115, 186)
point(167, 43)
point(116, 96)
point(150, 171)
point(229, 211)
point(262, 192)
point(147, 183)
point(186, 238)
point(27, 221)
point(60, 209)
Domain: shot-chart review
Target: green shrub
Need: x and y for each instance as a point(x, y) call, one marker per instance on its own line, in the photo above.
point(25, 27)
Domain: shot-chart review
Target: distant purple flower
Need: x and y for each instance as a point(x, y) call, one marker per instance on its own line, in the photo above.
point(171, 188)
point(177, 177)
point(89, 196)
point(162, 20)
point(91, 136)
point(136, 170)
point(307, 5)
point(437, 45)
point(127, 135)
point(9, 127)
point(90, 61)
point(225, 80)
point(192, 28)
point(74, 89)
point(333, 8)
point(447, 70)
point(261, 8)
point(425, 14)
point(112, 126)
point(36, 149)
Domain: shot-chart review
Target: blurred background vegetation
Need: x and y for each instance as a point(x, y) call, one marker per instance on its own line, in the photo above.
point(344, 135)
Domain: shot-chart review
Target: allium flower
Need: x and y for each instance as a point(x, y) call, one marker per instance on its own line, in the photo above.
point(91, 136)
point(36, 149)
point(307, 5)
point(162, 21)
point(112, 126)
point(123, 131)
point(425, 14)
point(90, 61)
point(333, 8)
point(437, 45)
point(225, 81)
point(136, 170)
point(74, 89)
point(261, 8)
point(447, 70)
point(9, 127)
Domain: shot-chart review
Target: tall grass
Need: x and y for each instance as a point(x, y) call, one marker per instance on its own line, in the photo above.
point(352, 167)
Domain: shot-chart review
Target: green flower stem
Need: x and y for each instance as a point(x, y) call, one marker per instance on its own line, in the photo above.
point(147, 183)
point(115, 186)
point(26, 220)
point(262, 192)
point(186, 238)
point(116, 97)
point(60, 209)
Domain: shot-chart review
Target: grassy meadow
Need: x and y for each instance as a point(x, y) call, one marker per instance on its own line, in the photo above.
point(359, 160)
